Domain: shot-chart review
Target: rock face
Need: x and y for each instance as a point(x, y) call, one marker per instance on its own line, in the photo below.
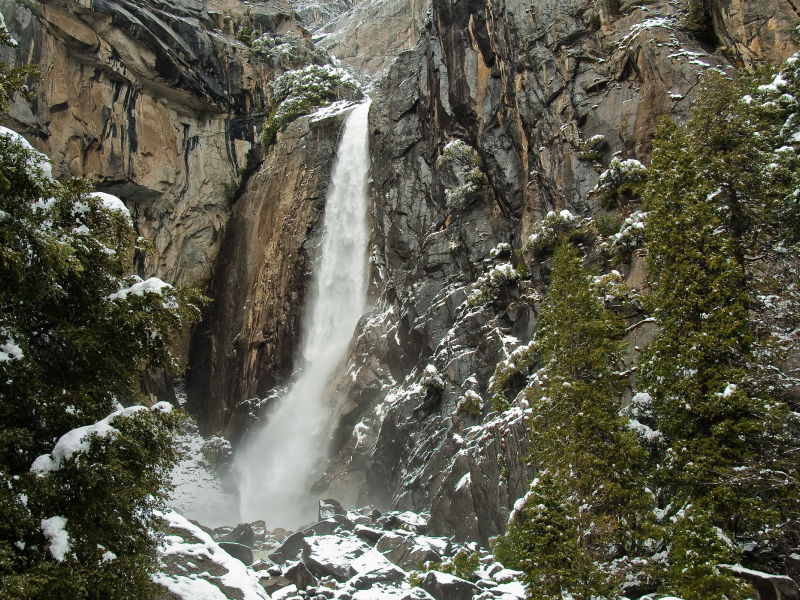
point(523, 86)
point(246, 343)
point(371, 34)
point(156, 101)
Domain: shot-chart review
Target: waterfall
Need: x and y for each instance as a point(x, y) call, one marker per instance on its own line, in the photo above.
point(277, 465)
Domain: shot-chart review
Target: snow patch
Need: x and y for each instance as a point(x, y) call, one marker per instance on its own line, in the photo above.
point(112, 202)
point(55, 532)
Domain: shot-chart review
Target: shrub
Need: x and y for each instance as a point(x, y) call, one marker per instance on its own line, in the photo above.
point(466, 166)
point(630, 237)
point(592, 149)
point(622, 182)
point(471, 403)
point(488, 286)
point(549, 230)
point(431, 381)
point(289, 51)
point(297, 93)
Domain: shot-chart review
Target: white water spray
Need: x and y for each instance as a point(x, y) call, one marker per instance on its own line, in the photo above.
point(277, 465)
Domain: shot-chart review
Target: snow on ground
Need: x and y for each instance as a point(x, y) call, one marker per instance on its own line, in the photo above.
point(186, 546)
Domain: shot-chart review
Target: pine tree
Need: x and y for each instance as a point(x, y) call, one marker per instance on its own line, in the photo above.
point(76, 334)
point(586, 510)
point(724, 475)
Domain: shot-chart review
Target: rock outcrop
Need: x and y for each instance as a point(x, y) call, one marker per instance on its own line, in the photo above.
point(246, 343)
point(158, 102)
point(524, 87)
point(371, 34)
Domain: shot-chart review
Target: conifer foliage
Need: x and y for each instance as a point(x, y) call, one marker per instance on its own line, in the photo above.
point(700, 473)
point(725, 477)
point(79, 476)
point(587, 507)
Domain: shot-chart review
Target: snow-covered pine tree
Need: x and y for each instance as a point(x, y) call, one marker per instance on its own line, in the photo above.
point(578, 527)
point(725, 479)
point(76, 333)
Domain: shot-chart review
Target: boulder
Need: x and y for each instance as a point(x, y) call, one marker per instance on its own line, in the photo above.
point(331, 509)
point(220, 532)
point(299, 575)
point(191, 561)
point(291, 546)
point(408, 551)
point(208, 530)
point(767, 585)
point(259, 529)
point(448, 587)
point(368, 533)
point(345, 557)
point(240, 551)
point(290, 591)
point(273, 584)
point(325, 527)
point(242, 534)
point(262, 565)
point(792, 566)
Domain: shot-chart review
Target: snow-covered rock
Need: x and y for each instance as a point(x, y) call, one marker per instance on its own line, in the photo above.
point(346, 557)
point(194, 567)
point(443, 586)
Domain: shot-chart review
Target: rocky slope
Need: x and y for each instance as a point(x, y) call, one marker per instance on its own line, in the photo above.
point(346, 555)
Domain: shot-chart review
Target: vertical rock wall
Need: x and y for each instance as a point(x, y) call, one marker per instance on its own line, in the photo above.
point(524, 85)
point(156, 101)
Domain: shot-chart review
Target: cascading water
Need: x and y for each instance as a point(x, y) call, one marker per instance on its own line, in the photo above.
point(276, 467)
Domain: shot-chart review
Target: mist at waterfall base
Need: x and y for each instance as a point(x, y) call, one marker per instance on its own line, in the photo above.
point(276, 466)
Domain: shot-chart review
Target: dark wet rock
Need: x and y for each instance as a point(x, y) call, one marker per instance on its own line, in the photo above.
point(292, 546)
point(368, 533)
point(239, 551)
point(241, 534)
point(448, 587)
point(324, 527)
point(259, 530)
point(299, 575)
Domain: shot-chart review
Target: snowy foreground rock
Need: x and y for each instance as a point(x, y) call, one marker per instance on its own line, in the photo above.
point(346, 555)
